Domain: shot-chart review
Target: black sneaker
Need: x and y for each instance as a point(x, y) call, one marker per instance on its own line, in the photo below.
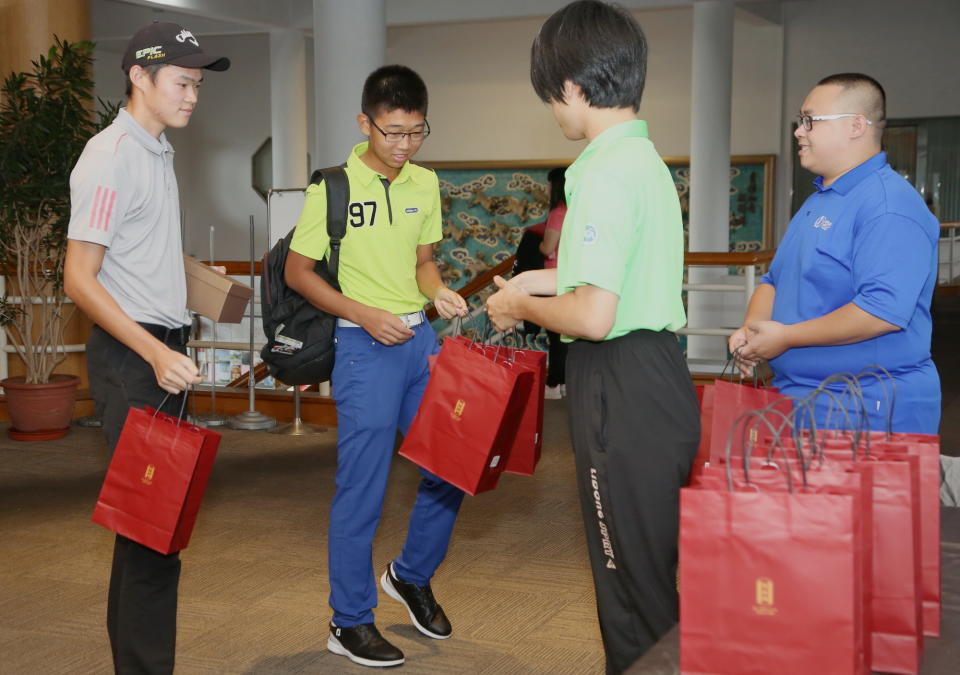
point(424, 611)
point(363, 644)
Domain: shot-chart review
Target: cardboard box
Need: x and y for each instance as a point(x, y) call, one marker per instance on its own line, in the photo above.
point(214, 295)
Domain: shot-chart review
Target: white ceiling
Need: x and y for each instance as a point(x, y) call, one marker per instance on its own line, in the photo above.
point(117, 19)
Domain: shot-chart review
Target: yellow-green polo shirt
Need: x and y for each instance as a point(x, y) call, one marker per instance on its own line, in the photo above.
point(385, 224)
point(623, 231)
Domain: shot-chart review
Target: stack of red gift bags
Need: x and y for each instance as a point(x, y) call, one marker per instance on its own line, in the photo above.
point(481, 414)
point(806, 550)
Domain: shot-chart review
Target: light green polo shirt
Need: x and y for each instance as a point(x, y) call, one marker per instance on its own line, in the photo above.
point(385, 224)
point(623, 231)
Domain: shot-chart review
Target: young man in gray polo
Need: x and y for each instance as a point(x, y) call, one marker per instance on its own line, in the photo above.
point(124, 269)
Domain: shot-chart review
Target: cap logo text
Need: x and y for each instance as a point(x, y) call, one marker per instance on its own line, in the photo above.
point(150, 52)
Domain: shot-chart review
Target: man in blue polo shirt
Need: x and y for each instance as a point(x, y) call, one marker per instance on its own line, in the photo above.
point(852, 280)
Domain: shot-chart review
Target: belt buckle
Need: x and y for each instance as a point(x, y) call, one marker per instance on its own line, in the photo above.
point(411, 320)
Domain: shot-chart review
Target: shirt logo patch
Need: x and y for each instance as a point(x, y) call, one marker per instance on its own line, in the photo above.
point(590, 235)
point(823, 224)
point(412, 209)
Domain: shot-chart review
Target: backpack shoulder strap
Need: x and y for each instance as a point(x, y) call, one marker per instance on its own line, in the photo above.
point(337, 185)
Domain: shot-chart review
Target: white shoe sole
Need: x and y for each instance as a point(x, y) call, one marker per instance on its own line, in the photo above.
point(333, 645)
point(388, 588)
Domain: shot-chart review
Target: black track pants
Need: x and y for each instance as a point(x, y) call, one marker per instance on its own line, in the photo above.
point(635, 427)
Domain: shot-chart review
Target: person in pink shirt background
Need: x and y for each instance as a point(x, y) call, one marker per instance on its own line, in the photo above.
point(556, 387)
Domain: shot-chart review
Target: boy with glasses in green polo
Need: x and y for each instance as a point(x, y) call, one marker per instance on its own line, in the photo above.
point(386, 274)
point(633, 411)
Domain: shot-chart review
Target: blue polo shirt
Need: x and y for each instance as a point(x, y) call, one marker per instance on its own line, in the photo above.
point(867, 239)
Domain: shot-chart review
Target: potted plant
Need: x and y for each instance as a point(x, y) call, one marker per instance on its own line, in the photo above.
point(45, 121)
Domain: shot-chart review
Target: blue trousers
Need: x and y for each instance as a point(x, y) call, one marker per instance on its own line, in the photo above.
point(377, 390)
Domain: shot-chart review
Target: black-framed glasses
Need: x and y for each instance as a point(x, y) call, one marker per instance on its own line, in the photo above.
point(807, 120)
point(397, 136)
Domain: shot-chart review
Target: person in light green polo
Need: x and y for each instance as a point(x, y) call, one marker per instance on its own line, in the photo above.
point(616, 296)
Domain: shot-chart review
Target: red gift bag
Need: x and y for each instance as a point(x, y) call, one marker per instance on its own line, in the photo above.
point(927, 451)
point(730, 400)
point(525, 452)
point(769, 476)
point(720, 405)
point(926, 447)
point(468, 417)
point(705, 399)
point(897, 607)
point(897, 551)
point(768, 582)
point(156, 479)
point(526, 449)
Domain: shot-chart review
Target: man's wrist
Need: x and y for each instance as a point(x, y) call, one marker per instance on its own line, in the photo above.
point(520, 304)
point(792, 335)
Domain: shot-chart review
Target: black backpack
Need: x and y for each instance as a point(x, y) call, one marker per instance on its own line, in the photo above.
point(300, 345)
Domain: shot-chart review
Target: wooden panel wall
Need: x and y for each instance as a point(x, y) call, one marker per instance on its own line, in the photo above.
point(27, 28)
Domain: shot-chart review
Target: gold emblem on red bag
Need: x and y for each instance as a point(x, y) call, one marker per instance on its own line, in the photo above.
point(458, 409)
point(764, 597)
point(148, 475)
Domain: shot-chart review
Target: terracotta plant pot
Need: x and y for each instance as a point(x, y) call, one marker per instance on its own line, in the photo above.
point(40, 411)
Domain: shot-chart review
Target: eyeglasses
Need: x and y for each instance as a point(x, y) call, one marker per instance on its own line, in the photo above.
point(397, 136)
point(808, 120)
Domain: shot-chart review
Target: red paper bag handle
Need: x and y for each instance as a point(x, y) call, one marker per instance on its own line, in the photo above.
point(742, 420)
point(183, 407)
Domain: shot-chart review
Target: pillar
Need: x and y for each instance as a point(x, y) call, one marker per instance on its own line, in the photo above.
point(349, 42)
point(27, 28)
point(710, 163)
point(288, 108)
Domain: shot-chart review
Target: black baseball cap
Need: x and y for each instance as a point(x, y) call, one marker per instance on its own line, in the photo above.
point(168, 43)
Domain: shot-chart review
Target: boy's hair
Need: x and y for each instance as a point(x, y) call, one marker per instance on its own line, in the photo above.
point(151, 71)
point(393, 88)
point(872, 95)
point(597, 46)
point(558, 181)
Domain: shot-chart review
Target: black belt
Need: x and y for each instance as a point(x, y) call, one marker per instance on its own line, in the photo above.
point(170, 336)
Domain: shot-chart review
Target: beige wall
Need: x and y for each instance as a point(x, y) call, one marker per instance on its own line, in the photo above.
point(483, 107)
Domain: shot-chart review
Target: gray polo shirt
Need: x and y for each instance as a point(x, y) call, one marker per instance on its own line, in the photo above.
point(123, 196)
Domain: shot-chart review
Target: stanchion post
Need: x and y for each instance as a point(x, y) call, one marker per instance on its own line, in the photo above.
point(298, 427)
point(213, 418)
point(251, 420)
